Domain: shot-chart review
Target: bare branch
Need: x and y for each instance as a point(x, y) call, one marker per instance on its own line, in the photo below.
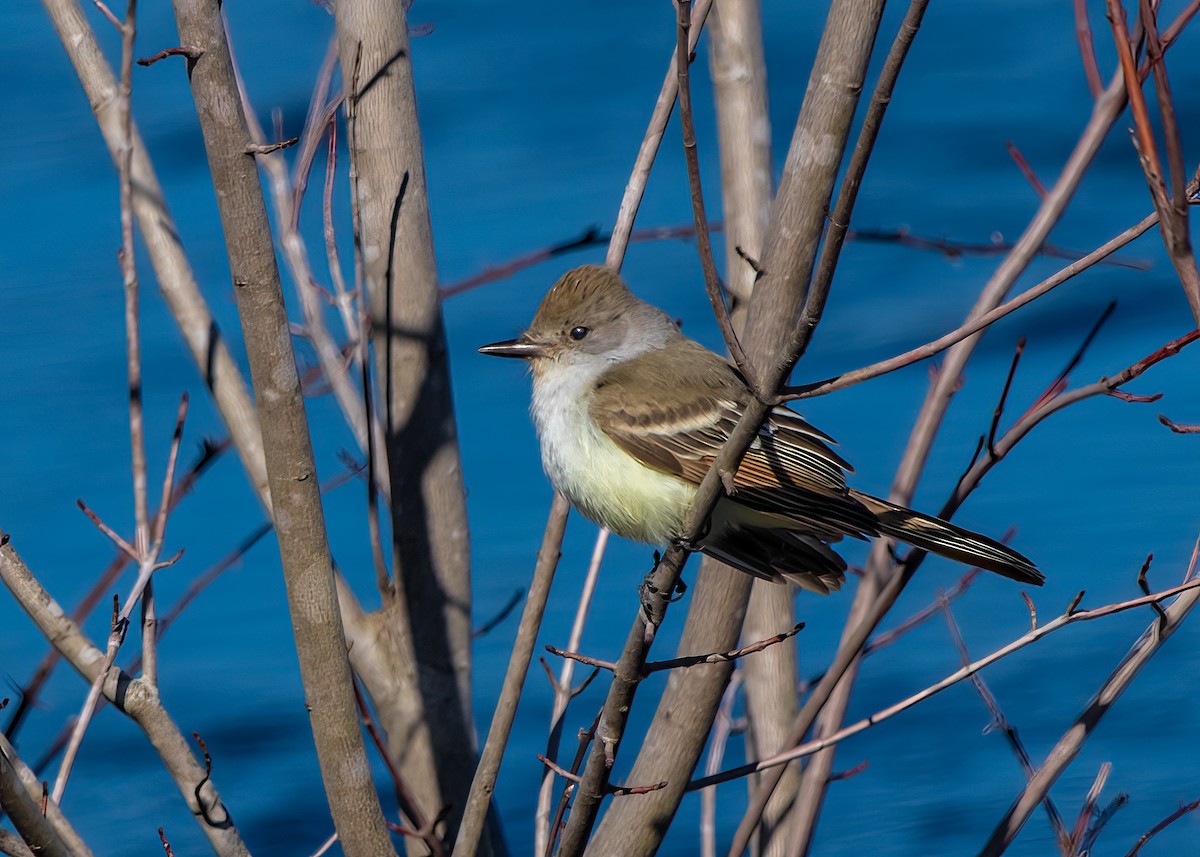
point(295, 493)
point(1069, 745)
point(976, 323)
point(131, 697)
point(122, 545)
point(190, 53)
point(1161, 826)
point(501, 614)
point(581, 658)
point(712, 281)
point(719, 657)
point(807, 749)
point(475, 813)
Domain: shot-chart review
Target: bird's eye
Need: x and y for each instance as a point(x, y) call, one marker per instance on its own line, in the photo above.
point(578, 333)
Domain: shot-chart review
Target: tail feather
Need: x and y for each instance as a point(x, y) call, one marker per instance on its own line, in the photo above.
point(945, 539)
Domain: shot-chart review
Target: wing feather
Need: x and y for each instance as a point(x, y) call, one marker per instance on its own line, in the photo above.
point(687, 404)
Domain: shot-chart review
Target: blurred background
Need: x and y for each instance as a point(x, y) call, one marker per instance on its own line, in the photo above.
point(531, 115)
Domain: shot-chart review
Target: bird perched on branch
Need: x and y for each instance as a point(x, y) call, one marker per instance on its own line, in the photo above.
point(631, 414)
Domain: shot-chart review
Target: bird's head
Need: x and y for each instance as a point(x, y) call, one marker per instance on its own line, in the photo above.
point(588, 318)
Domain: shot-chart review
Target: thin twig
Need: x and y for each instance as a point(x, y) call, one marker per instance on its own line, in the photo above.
point(1089, 807)
point(593, 236)
point(635, 189)
point(122, 545)
point(890, 589)
point(31, 689)
point(563, 693)
point(1026, 170)
point(581, 658)
point(1161, 826)
point(839, 217)
point(502, 614)
point(484, 782)
point(1001, 723)
point(712, 281)
point(585, 739)
point(975, 324)
point(998, 411)
point(1087, 49)
point(885, 583)
point(1173, 205)
point(721, 730)
point(1178, 428)
point(191, 53)
point(268, 148)
point(720, 657)
point(405, 797)
point(613, 790)
point(1070, 744)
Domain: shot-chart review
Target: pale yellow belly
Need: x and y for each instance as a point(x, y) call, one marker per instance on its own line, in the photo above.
point(606, 484)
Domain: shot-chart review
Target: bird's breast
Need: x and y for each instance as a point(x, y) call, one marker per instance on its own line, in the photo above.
point(602, 481)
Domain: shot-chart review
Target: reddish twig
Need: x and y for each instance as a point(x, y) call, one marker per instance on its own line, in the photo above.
point(407, 800)
point(192, 54)
point(122, 545)
point(1172, 205)
point(1087, 49)
point(1178, 428)
point(1023, 165)
point(1161, 826)
point(593, 236)
point(849, 772)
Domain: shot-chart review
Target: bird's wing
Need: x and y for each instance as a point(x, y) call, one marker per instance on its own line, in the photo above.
point(673, 410)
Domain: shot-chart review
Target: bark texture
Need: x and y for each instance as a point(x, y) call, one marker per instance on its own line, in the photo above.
point(429, 605)
point(295, 494)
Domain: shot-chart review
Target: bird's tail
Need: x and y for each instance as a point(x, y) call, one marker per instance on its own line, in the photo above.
point(945, 539)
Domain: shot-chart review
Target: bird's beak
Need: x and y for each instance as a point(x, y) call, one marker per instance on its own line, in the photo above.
point(522, 347)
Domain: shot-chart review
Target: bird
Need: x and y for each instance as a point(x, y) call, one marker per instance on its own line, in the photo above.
point(631, 414)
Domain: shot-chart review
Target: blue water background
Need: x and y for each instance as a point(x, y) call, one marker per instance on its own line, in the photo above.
point(531, 115)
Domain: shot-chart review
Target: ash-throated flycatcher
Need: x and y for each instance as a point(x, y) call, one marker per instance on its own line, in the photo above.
point(631, 414)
